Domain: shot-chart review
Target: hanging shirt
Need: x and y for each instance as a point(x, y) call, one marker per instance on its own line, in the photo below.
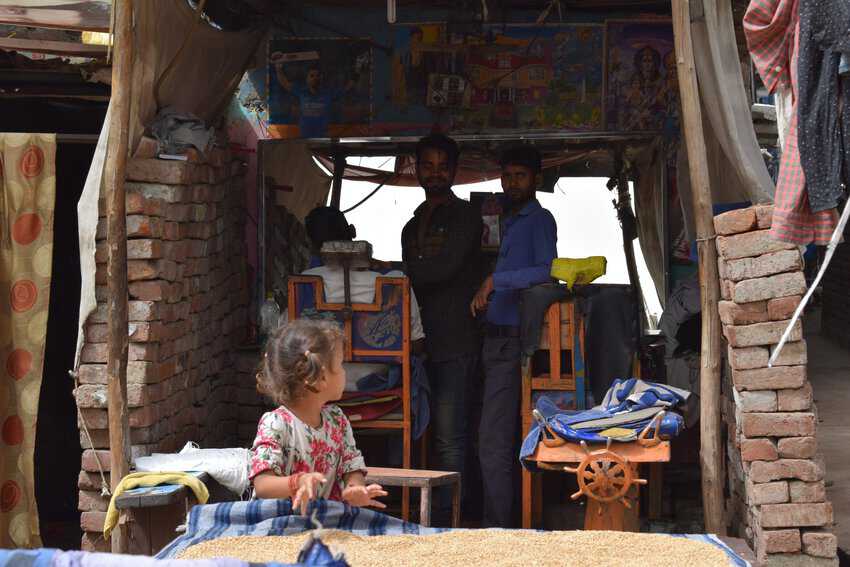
point(823, 134)
point(529, 244)
point(772, 31)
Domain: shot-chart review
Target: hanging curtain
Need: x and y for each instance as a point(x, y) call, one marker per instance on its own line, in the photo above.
point(649, 207)
point(724, 104)
point(27, 195)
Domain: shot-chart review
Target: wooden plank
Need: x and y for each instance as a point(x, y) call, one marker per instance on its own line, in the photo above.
point(68, 48)
point(544, 382)
point(573, 453)
point(710, 446)
point(77, 15)
point(116, 261)
point(378, 424)
point(411, 478)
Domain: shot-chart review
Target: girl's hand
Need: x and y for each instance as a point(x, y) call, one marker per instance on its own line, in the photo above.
point(363, 496)
point(308, 486)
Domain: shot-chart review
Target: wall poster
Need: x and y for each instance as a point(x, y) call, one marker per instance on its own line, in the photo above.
point(642, 87)
point(516, 77)
point(616, 76)
point(320, 88)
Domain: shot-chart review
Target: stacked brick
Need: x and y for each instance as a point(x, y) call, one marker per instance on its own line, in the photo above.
point(286, 238)
point(252, 405)
point(776, 479)
point(187, 313)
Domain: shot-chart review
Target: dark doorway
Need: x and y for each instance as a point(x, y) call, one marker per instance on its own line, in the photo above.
point(57, 449)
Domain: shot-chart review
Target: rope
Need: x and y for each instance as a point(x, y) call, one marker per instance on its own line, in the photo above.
point(104, 486)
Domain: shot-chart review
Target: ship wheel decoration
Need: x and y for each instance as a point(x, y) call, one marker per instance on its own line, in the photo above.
point(604, 476)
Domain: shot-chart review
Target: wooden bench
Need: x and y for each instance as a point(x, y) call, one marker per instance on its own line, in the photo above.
point(155, 513)
point(425, 481)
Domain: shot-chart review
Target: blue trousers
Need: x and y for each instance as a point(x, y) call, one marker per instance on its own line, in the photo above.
point(498, 435)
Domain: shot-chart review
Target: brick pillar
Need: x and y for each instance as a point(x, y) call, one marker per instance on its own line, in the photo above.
point(776, 487)
point(187, 312)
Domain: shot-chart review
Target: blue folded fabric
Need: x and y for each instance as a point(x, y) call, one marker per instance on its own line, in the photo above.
point(420, 391)
point(629, 403)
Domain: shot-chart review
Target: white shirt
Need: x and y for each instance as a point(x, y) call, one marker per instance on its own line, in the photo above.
point(362, 284)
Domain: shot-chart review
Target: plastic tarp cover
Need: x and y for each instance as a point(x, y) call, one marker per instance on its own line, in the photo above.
point(204, 65)
point(87, 217)
point(291, 164)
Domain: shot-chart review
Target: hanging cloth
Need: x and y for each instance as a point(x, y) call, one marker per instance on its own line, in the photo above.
point(824, 138)
point(772, 31)
point(27, 197)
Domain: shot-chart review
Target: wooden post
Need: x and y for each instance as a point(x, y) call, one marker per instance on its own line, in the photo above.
point(624, 210)
point(339, 174)
point(710, 450)
point(116, 261)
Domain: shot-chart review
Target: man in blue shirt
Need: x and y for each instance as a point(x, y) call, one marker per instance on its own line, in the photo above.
point(529, 238)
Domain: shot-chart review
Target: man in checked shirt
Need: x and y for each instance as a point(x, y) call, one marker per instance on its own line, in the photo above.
point(441, 247)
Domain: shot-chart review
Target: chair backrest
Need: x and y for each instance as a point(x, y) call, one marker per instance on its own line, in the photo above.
point(374, 332)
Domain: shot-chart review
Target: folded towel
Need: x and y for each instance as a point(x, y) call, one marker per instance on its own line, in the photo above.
point(138, 479)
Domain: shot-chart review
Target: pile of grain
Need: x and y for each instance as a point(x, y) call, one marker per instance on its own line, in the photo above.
point(477, 547)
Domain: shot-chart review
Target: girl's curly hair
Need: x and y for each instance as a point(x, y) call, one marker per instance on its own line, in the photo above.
point(294, 357)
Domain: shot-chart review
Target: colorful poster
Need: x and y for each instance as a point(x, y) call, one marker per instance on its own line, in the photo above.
point(320, 88)
point(642, 89)
point(544, 78)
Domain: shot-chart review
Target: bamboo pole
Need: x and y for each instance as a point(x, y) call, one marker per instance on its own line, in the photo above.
point(116, 262)
point(710, 449)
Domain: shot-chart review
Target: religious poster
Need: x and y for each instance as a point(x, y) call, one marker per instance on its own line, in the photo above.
point(501, 78)
point(642, 92)
point(320, 88)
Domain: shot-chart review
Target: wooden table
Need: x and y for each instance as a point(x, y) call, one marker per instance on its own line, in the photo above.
point(425, 481)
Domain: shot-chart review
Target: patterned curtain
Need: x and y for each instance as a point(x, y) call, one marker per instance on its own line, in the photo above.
point(27, 196)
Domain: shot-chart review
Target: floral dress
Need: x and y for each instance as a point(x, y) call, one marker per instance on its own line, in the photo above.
point(286, 445)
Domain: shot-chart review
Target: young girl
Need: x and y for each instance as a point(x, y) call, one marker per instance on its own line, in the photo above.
point(305, 448)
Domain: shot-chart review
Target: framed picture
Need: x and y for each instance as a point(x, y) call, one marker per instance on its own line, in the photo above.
point(491, 215)
point(320, 88)
point(642, 89)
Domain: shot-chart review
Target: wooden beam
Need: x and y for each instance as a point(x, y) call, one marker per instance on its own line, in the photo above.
point(116, 261)
point(68, 48)
point(710, 448)
point(76, 15)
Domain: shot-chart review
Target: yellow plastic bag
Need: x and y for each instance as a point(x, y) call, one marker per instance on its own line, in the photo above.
point(580, 271)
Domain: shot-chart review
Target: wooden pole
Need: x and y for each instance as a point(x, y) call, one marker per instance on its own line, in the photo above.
point(339, 174)
point(710, 449)
point(116, 261)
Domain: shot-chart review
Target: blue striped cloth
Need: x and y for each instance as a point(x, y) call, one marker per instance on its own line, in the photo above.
point(274, 517)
